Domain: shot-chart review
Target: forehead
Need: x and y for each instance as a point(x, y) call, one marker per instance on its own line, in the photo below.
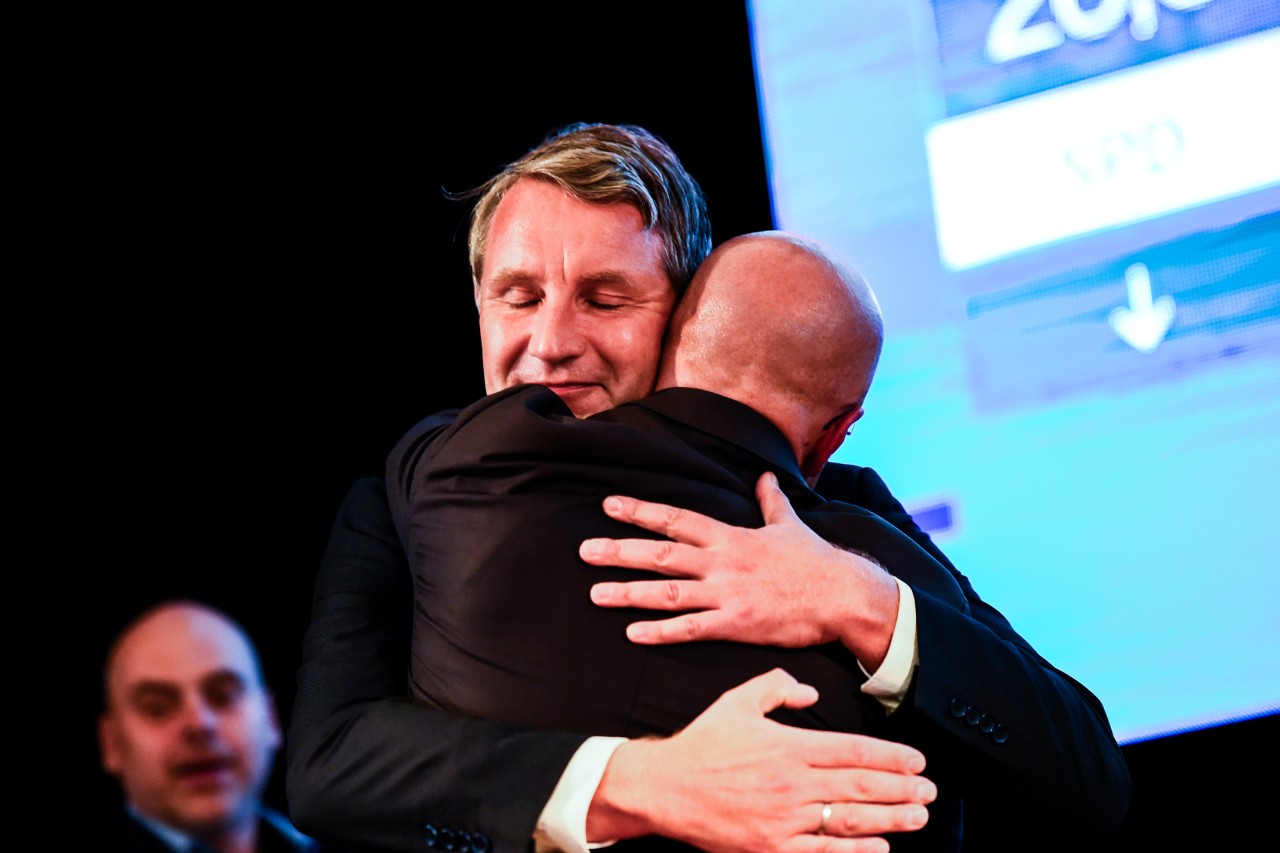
point(541, 230)
point(180, 646)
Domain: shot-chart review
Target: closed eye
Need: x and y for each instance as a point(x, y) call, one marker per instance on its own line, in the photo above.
point(520, 297)
point(605, 306)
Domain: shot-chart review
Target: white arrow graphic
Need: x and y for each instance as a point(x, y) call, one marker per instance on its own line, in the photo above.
point(1143, 323)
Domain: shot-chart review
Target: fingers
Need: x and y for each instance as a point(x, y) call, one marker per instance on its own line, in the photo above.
point(831, 844)
point(839, 749)
point(691, 527)
point(861, 802)
point(879, 787)
point(828, 844)
point(650, 595)
point(681, 525)
point(768, 691)
point(668, 558)
point(774, 505)
point(687, 628)
point(769, 792)
point(851, 820)
point(690, 536)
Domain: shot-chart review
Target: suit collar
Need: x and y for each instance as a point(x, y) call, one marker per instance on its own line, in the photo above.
point(724, 418)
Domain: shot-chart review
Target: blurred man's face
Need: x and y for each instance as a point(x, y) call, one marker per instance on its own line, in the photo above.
point(191, 732)
point(574, 296)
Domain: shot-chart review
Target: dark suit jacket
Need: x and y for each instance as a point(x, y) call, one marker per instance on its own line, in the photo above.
point(994, 718)
point(491, 511)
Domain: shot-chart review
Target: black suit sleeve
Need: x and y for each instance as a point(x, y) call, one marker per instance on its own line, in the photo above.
point(364, 765)
point(863, 487)
point(984, 704)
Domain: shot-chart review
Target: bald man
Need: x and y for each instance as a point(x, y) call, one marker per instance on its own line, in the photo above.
point(190, 730)
point(766, 367)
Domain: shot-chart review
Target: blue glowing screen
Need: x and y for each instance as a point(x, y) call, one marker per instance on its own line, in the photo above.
point(1070, 213)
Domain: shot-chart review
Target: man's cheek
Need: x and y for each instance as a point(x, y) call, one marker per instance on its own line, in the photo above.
point(500, 353)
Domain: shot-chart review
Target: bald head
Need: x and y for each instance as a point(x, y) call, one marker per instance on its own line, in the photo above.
point(783, 324)
point(172, 630)
point(190, 729)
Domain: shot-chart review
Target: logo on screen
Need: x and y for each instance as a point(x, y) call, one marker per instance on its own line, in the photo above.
point(992, 51)
point(1020, 28)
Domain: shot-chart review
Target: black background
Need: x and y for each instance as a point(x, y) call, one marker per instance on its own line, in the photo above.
point(257, 284)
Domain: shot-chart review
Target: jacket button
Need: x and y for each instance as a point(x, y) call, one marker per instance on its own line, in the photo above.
point(431, 835)
point(1001, 733)
point(480, 843)
point(986, 724)
point(973, 716)
point(958, 707)
point(448, 839)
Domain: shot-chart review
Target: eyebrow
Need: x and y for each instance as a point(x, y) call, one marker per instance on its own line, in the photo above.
point(223, 676)
point(147, 687)
point(508, 277)
point(151, 685)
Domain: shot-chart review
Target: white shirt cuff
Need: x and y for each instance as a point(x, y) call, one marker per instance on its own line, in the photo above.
point(563, 822)
point(889, 683)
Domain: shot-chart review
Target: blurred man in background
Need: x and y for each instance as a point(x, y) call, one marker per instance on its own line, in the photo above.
point(190, 730)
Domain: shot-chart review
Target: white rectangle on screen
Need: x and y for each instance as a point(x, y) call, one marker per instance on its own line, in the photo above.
point(1126, 147)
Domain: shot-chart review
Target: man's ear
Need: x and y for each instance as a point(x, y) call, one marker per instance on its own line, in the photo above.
point(108, 745)
point(274, 731)
point(833, 435)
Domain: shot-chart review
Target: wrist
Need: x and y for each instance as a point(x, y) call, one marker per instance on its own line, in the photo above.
point(622, 804)
point(869, 611)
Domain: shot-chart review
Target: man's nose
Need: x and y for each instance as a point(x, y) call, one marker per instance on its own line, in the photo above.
point(556, 331)
point(198, 715)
